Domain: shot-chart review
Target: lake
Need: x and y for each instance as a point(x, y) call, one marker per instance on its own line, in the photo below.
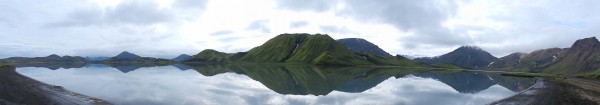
point(258, 84)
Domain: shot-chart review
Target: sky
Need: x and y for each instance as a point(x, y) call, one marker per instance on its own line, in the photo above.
point(167, 28)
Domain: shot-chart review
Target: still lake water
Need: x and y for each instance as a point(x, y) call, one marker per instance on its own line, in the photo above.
point(269, 84)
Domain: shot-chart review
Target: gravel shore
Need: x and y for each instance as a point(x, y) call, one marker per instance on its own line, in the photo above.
point(557, 91)
point(16, 89)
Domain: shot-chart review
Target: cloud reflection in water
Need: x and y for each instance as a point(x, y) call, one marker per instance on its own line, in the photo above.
point(169, 85)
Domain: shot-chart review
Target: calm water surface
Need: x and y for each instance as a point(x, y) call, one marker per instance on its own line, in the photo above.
point(267, 84)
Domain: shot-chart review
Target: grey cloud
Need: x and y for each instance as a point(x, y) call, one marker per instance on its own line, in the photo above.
point(80, 18)
point(197, 4)
point(298, 24)
point(139, 13)
point(335, 29)
point(222, 32)
point(300, 5)
point(260, 25)
point(423, 18)
point(131, 12)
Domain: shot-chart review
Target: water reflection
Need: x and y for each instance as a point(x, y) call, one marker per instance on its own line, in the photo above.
point(277, 84)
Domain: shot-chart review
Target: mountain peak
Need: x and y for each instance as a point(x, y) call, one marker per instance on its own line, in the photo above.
point(182, 57)
point(360, 45)
point(586, 43)
point(126, 55)
point(464, 56)
point(53, 56)
point(469, 47)
point(318, 49)
point(208, 50)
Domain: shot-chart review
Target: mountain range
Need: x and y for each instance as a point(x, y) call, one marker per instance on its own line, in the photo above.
point(48, 59)
point(129, 58)
point(301, 48)
point(582, 57)
point(320, 49)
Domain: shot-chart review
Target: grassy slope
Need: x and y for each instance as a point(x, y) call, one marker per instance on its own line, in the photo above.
point(304, 48)
point(275, 50)
point(210, 55)
point(394, 61)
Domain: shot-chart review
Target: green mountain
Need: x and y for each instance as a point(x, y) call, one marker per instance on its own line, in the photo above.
point(397, 60)
point(303, 48)
point(209, 55)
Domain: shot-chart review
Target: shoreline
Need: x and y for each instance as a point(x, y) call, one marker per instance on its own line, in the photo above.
point(19, 89)
point(556, 91)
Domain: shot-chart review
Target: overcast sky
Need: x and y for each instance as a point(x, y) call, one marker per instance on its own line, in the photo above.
point(167, 28)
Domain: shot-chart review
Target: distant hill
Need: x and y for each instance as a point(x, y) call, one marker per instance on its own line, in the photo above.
point(465, 56)
point(303, 48)
point(181, 57)
point(48, 59)
point(127, 57)
point(209, 55)
point(359, 45)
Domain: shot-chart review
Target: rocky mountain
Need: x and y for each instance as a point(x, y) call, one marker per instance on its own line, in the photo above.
point(48, 59)
point(508, 61)
point(465, 56)
point(582, 57)
point(181, 57)
point(303, 48)
point(359, 45)
point(532, 62)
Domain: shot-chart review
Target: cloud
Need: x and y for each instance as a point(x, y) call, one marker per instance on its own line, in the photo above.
point(422, 18)
point(191, 4)
point(127, 13)
point(260, 25)
point(335, 29)
point(141, 13)
point(222, 32)
point(301, 5)
point(298, 24)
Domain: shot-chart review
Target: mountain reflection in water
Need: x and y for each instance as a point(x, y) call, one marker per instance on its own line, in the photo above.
point(292, 84)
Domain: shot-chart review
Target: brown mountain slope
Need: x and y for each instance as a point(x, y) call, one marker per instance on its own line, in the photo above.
point(582, 57)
